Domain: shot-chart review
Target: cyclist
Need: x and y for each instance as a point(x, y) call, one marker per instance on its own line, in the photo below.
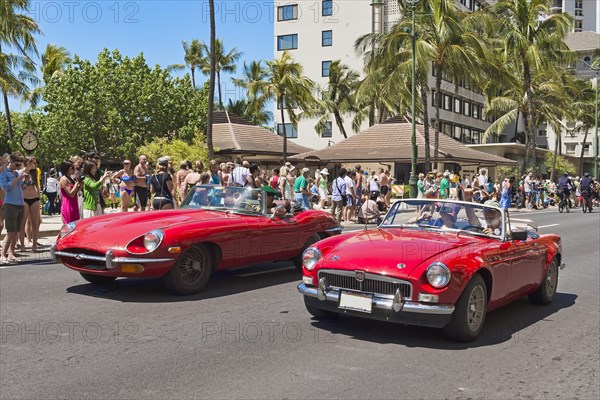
point(586, 189)
point(564, 188)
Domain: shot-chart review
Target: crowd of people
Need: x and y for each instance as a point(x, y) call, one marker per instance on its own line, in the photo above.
point(81, 188)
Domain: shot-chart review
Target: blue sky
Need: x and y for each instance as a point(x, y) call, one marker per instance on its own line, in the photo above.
point(154, 27)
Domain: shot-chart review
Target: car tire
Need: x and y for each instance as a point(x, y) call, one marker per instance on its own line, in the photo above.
point(318, 313)
point(98, 279)
point(469, 313)
point(314, 238)
point(545, 292)
point(191, 273)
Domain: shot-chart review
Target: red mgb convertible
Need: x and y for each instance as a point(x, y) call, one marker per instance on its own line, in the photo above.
point(216, 228)
point(433, 263)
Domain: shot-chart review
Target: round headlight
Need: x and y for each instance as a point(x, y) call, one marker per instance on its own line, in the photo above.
point(152, 240)
point(310, 258)
point(438, 275)
point(66, 229)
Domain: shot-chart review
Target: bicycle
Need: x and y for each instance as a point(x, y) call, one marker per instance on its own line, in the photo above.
point(564, 204)
point(586, 203)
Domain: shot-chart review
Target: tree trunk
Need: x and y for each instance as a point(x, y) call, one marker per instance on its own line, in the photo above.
point(426, 128)
point(582, 153)
point(9, 130)
point(438, 105)
point(284, 130)
point(340, 124)
point(530, 158)
point(193, 78)
point(220, 96)
point(211, 90)
point(556, 150)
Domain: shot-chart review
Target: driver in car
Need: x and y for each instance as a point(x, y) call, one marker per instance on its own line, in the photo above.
point(492, 217)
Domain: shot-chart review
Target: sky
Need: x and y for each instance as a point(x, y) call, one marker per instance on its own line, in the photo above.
point(155, 28)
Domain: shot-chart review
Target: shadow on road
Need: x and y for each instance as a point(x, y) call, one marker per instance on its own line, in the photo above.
point(223, 283)
point(520, 322)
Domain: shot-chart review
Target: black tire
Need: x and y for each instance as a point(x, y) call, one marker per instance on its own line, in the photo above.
point(584, 207)
point(98, 279)
point(568, 207)
point(318, 313)
point(545, 293)
point(314, 238)
point(466, 324)
point(560, 207)
point(191, 273)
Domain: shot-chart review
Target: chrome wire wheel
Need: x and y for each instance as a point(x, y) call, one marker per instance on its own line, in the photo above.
point(193, 265)
point(552, 279)
point(476, 308)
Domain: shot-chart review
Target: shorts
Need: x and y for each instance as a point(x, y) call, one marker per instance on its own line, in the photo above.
point(141, 196)
point(159, 203)
point(384, 190)
point(13, 217)
point(349, 200)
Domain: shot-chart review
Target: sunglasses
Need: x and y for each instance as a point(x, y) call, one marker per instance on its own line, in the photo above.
point(126, 163)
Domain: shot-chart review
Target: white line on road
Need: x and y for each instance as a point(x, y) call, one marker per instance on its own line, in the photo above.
point(547, 226)
point(267, 272)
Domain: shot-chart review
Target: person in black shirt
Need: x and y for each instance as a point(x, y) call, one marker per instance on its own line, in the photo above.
point(585, 187)
point(161, 184)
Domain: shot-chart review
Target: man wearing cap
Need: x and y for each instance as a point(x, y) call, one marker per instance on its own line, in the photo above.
point(52, 191)
point(301, 189)
point(322, 187)
point(445, 185)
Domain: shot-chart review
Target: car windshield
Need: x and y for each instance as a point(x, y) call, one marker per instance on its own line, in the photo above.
point(448, 215)
point(238, 199)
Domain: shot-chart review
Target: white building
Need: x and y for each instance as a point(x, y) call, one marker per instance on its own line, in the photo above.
point(585, 12)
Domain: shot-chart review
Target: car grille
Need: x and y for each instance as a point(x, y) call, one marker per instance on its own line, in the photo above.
point(377, 284)
point(95, 265)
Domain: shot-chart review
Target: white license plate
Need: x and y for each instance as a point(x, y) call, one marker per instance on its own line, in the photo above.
point(356, 301)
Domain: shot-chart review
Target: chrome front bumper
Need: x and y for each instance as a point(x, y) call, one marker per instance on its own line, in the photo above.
point(395, 304)
point(109, 259)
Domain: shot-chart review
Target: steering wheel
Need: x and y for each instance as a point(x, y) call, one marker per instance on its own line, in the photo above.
point(468, 227)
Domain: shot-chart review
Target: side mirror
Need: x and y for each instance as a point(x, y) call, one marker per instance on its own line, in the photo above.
point(519, 235)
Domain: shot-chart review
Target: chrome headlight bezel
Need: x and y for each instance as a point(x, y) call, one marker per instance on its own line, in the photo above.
point(66, 229)
point(153, 239)
point(438, 275)
point(311, 257)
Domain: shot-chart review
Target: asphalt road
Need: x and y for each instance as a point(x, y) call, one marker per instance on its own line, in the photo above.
point(249, 336)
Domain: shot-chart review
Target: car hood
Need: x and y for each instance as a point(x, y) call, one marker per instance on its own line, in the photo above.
point(120, 228)
point(393, 252)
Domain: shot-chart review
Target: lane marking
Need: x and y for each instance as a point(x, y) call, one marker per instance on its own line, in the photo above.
point(267, 272)
point(547, 226)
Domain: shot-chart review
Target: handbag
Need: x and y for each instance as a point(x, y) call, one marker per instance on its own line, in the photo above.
point(344, 196)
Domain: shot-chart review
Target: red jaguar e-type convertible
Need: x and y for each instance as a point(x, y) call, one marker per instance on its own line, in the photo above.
point(216, 228)
point(433, 263)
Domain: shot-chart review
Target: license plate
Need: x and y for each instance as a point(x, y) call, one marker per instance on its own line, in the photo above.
point(356, 302)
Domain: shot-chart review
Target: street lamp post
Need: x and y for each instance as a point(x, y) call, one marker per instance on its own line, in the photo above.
point(413, 140)
point(596, 154)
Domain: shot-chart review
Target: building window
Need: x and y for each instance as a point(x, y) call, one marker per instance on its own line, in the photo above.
point(457, 132)
point(467, 135)
point(476, 137)
point(447, 129)
point(467, 108)
point(570, 148)
point(476, 113)
point(327, 8)
point(578, 26)
point(325, 66)
point(447, 102)
point(586, 149)
point(287, 42)
point(290, 131)
point(327, 38)
point(328, 132)
point(287, 13)
point(542, 132)
point(458, 106)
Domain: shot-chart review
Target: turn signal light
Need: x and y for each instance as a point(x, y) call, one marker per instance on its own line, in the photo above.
point(428, 298)
point(132, 268)
point(175, 250)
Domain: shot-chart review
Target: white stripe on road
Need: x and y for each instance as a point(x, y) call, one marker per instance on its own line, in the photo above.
point(547, 226)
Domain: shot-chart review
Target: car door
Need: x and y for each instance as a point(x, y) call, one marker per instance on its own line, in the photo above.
point(280, 238)
point(526, 271)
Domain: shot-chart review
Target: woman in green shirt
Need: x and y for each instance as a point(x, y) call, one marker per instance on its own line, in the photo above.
point(421, 186)
point(91, 189)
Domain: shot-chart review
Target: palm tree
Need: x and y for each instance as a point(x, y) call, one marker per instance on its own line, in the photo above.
point(533, 44)
point(16, 30)
point(54, 63)
point(285, 83)
point(238, 107)
point(223, 62)
point(337, 97)
point(211, 82)
point(194, 59)
point(253, 75)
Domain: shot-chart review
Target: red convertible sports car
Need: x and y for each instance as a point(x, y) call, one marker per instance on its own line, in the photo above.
point(216, 228)
point(434, 263)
